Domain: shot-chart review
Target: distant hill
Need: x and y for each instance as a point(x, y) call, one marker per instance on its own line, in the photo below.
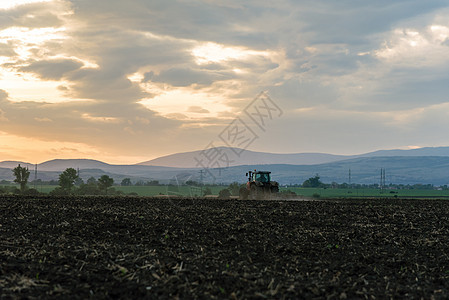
point(62, 164)
point(13, 164)
point(426, 165)
point(247, 157)
point(57, 164)
point(50, 170)
point(426, 151)
point(399, 169)
point(365, 170)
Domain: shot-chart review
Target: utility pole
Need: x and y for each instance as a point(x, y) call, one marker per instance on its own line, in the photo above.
point(380, 183)
point(35, 175)
point(201, 182)
point(382, 179)
point(349, 177)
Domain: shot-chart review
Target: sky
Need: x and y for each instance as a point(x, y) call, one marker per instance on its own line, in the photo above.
point(128, 81)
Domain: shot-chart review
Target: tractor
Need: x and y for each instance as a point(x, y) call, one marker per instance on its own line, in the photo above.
point(259, 186)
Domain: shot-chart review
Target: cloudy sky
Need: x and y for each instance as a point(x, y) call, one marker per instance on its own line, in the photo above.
point(127, 81)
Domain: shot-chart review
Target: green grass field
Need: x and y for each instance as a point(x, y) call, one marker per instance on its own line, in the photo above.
point(308, 192)
point(357, 193)
point(144, 190)
point(166, 190)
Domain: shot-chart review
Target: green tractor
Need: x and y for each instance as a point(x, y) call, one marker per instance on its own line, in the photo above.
point(259, 186)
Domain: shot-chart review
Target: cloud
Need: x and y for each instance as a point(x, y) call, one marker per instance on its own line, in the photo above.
point(324, 129)
point(426, 47)
point(52, 69)
point(99, 125)
point(3, 97)
point(198, 109)
point(33, 15)
point(408, 70)
point(2, 116)
point(349, 64)
point(43, 119)
point(7, 49)
point(182, 77)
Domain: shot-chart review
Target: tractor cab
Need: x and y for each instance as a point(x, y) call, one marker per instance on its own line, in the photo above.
point(260, 176)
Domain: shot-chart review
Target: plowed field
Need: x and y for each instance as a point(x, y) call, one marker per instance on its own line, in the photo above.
point(161, 248)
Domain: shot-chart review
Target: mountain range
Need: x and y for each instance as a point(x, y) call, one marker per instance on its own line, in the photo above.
point(247, 157)
point(423, 165)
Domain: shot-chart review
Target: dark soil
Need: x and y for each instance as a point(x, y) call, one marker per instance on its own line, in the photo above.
point(159, 248)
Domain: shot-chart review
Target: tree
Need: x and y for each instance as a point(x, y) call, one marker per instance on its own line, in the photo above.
point(67, 179)
point(126, 182)
point(313, 182)
point(104, 182)
point(79, 181)
point(192, 183)
point(152, 183)
point(92, 181)
point(22, 175)
point(88, 189)
point(234, 188)
point(207, 191)
point(224, 194)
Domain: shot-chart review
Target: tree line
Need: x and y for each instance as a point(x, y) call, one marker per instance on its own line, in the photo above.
point(69, 183)
point(315, 182)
